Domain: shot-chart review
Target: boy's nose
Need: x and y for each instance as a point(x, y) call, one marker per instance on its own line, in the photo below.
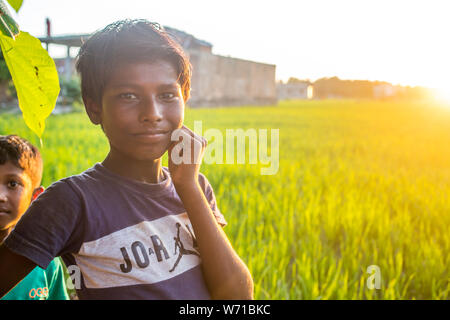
point(151, 111)
point(3, 194)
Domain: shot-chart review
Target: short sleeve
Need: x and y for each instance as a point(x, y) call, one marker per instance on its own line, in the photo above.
point(48, 227)
point(57, 286)
point(209, 194)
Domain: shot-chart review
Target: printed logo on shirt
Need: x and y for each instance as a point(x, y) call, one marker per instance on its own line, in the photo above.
point(40, 293)
point(148, 252)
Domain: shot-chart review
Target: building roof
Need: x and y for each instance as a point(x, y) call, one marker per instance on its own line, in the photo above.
point(186, 40)
point(72, 40)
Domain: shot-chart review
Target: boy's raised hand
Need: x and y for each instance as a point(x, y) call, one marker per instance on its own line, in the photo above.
point(185, 156)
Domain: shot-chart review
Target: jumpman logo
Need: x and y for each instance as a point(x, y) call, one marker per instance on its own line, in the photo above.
point(179, 246)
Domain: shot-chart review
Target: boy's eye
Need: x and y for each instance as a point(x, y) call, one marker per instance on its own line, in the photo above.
point(13, 184)
point(168, 96)
point(128, 96)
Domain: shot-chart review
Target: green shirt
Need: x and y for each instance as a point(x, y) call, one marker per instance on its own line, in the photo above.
point(41, 284)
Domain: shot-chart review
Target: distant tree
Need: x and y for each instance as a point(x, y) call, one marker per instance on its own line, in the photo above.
point(70, 91)
point(337, 88)
point(296, 80)
point(5, 76)
point(7, 89)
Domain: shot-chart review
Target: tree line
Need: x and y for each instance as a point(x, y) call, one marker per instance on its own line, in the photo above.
point(329, 88)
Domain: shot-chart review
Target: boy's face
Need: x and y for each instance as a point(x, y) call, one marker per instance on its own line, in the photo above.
point(16, 191)
point(138, 100)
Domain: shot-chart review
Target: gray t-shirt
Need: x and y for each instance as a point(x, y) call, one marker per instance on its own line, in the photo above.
point(130, 240)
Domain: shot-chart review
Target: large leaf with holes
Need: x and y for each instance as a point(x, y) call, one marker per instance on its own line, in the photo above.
point(35, 77)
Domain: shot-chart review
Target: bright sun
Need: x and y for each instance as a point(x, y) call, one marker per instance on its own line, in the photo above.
point(443, 94)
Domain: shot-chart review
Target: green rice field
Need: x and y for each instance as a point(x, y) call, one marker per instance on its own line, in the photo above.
point(360, 183)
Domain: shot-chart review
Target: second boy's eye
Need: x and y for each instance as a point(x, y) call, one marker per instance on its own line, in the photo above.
point(13, 184)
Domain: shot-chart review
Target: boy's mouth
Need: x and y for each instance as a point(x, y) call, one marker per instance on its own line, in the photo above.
point(150, 135)
point(151, 131)
point(4, 210)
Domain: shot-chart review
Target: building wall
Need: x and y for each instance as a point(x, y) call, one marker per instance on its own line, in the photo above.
point(301, 90)
point(219, 80)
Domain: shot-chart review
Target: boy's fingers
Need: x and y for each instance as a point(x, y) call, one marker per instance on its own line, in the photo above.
point(194, 135)
point(185, 132)
point(188, 140)
point(186, 136)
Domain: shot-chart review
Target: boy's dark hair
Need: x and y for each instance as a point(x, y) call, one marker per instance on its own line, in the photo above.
point(23, 155)
point(128, 41)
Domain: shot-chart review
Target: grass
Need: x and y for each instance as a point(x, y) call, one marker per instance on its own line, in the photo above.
point(360, 183)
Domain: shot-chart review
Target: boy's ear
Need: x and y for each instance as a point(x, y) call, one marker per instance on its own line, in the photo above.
point(94, 111)
point(37, 192)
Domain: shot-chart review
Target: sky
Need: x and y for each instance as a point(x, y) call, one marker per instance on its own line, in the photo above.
point(402, 42)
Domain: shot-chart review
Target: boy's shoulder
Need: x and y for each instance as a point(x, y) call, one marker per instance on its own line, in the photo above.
point(65, 195)
point(78, 182)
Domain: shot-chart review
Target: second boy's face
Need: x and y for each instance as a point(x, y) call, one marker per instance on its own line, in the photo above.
point(142, 105)
point(16, 191)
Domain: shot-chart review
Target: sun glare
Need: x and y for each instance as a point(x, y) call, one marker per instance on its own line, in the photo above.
point(443, 95)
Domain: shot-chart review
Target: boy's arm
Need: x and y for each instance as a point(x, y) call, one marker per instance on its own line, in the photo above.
point(226, 275)
point(13, 268)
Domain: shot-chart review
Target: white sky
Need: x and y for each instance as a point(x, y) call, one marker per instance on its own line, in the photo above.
point(403, 42)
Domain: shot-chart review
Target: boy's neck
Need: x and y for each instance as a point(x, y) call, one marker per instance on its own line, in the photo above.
point(149, 171)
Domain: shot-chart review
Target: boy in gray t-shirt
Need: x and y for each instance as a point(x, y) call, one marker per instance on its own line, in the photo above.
point(131, 228)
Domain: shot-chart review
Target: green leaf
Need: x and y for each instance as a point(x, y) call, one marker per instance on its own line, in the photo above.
point(8, 26)
point(35, 77)
point(16, 4)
